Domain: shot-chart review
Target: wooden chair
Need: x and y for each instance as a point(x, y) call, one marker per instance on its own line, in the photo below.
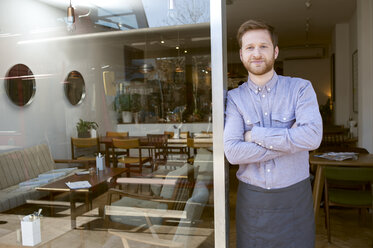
point(334, 136)
point(169, 193)
point(361, 198)
point(118, 152)
point(158, 149)
point(127, 159)
point(116, 134)
point(186, 234)
point(85, 149)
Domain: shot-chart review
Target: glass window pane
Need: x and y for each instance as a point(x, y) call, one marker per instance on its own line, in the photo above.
point(122, 111)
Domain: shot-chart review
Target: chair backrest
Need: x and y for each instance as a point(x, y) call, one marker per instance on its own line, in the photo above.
point(116, 134)
point(179, 192)
point(84, 147)
point(193, 208)
point(169, 134)
point(157, 140)
point(357, 174)
point(126, 143)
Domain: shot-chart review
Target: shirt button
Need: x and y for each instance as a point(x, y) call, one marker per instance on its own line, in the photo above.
point(269, 170)
point(259, 143)
point(248, 121)
point(284, 119)
point(260, 89)
point(265, 113)
point(270, 147)
point(269, 89)
point(263, 95)
point(269, 188)
point(256, 92)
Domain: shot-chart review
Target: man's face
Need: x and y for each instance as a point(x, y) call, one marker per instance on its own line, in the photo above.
point(257, 52)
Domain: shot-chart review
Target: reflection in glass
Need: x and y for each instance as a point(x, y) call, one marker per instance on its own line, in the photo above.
point(162, 77)
point(74, 88)
point(20, 85)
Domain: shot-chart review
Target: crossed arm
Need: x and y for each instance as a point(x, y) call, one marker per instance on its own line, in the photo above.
point(265, 143)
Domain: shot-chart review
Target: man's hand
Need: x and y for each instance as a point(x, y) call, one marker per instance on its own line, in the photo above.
point(248, 136)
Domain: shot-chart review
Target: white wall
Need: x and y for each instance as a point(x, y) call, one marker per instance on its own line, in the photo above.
point(315, 70)
point(50, 117)
point(353, 48)
point(365, 73)
point(343, 89)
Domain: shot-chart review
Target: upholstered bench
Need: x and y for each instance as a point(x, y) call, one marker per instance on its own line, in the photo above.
point(19, 175)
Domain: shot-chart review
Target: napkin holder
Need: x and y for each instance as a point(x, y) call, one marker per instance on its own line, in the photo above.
point(31, 234)
point(100, 162)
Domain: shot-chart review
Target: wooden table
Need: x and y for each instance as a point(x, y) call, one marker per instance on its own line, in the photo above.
point(197, 142)
point(364, 160)
point(96, 180)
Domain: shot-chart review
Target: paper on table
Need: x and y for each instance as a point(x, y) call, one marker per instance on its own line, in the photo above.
point(338, 156)
point(78, 185)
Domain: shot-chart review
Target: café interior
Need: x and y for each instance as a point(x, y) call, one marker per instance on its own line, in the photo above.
point(113, 114)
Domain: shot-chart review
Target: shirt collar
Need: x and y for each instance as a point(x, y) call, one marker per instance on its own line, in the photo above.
point(268, 86)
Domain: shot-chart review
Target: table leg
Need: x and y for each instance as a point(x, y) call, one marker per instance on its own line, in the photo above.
point(317, 190)
point(51, 198)
point(72, 210)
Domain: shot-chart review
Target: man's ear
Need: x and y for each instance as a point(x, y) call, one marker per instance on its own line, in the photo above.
point(276, 52)
point(241, 54)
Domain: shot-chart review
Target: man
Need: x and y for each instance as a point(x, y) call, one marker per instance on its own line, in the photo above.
point(271, 123)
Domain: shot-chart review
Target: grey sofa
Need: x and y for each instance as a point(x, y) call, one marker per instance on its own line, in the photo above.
point(19, 171)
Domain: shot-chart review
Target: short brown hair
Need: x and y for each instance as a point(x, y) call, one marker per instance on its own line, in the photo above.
point(256, 25)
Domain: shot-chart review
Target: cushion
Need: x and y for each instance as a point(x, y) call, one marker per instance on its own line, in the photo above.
point(137, 220)
point(168, 190)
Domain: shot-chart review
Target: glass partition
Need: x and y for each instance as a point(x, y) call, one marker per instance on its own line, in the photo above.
point(144, 174)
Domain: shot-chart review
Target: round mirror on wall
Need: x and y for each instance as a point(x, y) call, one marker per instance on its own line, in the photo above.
point(20, 85)
point(74, 87)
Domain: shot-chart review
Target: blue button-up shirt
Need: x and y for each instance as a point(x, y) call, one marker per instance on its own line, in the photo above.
point(277, 155)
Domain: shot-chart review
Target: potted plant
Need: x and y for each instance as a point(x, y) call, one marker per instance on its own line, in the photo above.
point(84, 128)
point(122, 104)
point(136, 106)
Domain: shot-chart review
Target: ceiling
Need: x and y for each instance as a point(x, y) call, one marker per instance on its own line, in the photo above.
point(289, 17)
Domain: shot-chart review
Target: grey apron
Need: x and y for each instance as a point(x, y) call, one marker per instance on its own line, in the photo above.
point(278, 218)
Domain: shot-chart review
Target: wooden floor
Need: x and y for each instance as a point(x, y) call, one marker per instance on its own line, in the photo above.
point(347, 231)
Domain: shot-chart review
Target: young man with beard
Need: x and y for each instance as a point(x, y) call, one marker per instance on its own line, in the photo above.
point(271, 123)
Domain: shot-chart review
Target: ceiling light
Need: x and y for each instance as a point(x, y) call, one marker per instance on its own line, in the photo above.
point(177, 47)
point(162, 41)
point(70, 18)
point(70, 14)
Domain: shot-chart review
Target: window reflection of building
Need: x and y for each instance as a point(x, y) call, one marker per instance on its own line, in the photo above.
point(178, 85)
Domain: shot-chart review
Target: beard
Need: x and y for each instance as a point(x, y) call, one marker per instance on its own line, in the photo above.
point(267, 66)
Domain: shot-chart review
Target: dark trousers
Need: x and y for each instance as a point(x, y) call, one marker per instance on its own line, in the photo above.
point(278, 218)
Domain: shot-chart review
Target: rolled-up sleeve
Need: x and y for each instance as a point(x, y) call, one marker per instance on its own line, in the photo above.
point(237, 151)
point(307, 134)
